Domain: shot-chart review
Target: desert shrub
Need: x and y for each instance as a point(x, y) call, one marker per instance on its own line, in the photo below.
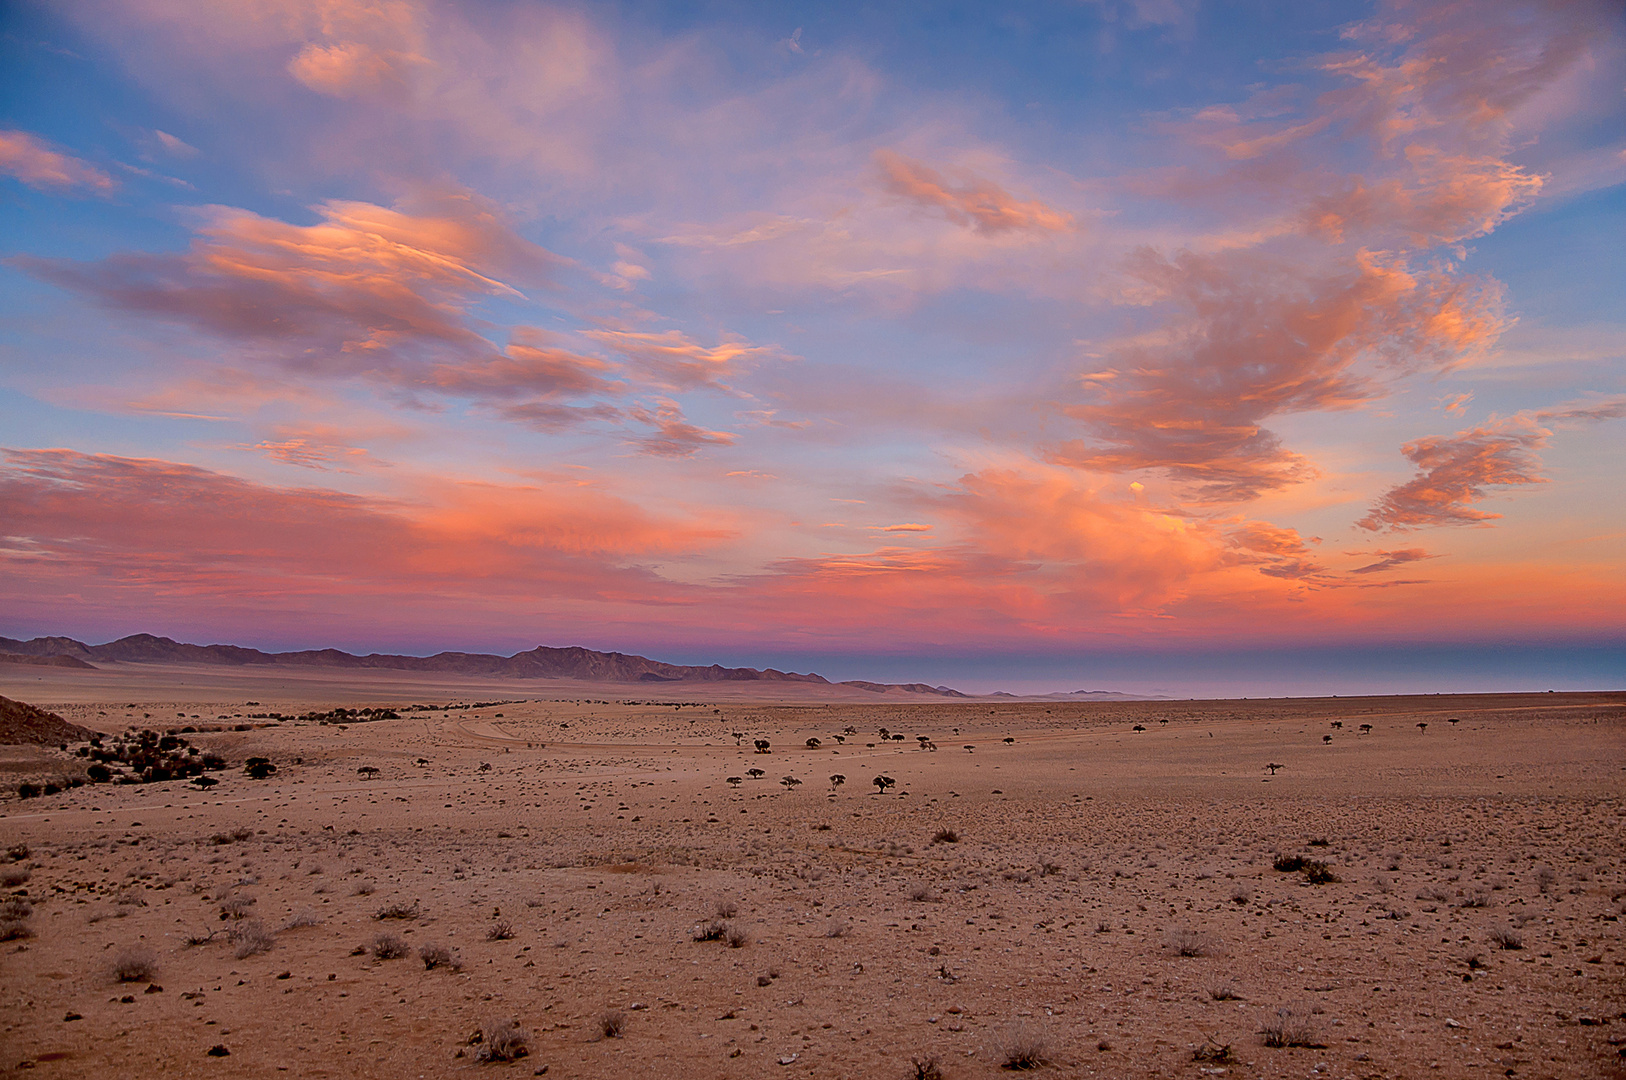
point(1291, 1026)
point(1241, 895)
point(302, 920)
point(710, 930)
point(13, 876)
point(389, 947)
point(236, 907)
point(1187, 942)
point(1288, 864)
point(397, 911)
point(1320, 841)
point(502, 1040)
point(26, 790)
point(1433, 893)
point(434, 956)
point(1478, 898)
point(15, 907)
point(610, 1025)
point(1319, 873)
point(1212, 1051)
point(135, 964)
point(1224, 992)
point(945, 836)
point(14, 929)
point(921, 893)
point(1505, 937)
point(17, 852)
point(1021, 1048)
point(501, 930)
point(725, 909)
point(835, 929)
point(251, 939)
point(925, 1068)
point(735, 937)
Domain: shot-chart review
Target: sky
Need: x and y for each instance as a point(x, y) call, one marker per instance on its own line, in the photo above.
point(1158, 345)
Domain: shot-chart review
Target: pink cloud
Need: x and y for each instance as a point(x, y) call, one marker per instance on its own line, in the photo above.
point(974, 202)
point(352, 69)
point(1389, 560)
point(672, 361)
point(672, 435)
point(1246, 339)
point(1456, 471)
point(32, 160)
point(163, 534)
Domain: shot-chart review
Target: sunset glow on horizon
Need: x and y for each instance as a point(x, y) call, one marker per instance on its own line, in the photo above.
point(1002, 348)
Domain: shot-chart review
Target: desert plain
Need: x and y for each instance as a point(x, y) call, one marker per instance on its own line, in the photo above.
point(1090, 888)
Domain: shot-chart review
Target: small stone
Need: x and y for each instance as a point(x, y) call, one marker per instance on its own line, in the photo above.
point(789, 1059)
point(219, 1050)
point(153, 988)
point(1451, 1023)
point(71, 1016)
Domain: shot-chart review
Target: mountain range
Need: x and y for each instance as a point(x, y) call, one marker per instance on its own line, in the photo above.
point(541, 662)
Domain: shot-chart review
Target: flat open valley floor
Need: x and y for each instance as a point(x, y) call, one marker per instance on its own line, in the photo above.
point(1095, 883)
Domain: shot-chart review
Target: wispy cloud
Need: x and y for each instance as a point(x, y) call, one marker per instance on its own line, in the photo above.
point(1247, 338)
point(33, 161)
point(1457, 471)
point(968, 199)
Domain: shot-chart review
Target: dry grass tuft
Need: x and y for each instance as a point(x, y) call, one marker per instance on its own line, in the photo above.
point(389, 947)
point(926, 1068)
point(135, 965)
point(502, 1040)
point(434, 956)
point(1188, 942)
point(1291, 1026)
point(1021, 1048)
point(251, 939)
point(610, 1025)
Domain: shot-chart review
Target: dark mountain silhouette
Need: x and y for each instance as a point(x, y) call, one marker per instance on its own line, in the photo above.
point(51, 660)
point(541, 662)
point(23, 723)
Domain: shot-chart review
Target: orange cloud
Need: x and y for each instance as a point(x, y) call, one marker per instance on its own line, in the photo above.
point(31, 160)
point(672, 435)
point(1430, 92)
point(163, 534)
point(352, 68)
point(1388, 560)
point(672, 361)
point(975, 202)
point(365, 287)
point(1253, 339)
point(1455, 471)
point(378, 294)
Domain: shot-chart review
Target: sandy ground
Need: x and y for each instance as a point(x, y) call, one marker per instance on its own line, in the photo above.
point(605, 833)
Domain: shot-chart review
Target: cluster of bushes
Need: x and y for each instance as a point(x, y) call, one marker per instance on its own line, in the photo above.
point(333, 716)
point(29, 790)
point(151, 757)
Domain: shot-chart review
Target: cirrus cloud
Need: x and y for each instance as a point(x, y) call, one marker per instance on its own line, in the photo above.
point(32, 160)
